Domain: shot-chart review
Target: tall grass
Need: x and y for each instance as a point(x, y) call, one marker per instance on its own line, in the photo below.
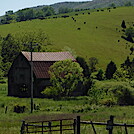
point(10, 122)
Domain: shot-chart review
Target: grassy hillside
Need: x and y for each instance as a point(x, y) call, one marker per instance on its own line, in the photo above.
point(97, 38)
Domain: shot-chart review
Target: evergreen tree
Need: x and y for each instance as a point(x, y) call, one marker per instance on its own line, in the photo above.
point(84, 65)
point(123, 25)
point(110, 70)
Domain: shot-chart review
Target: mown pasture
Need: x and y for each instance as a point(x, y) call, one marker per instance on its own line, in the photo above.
point(99, 37)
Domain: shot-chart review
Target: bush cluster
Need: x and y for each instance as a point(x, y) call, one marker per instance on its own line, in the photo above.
point(112, 93)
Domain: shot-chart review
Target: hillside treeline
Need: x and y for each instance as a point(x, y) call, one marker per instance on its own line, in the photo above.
point(32, 13)
point(27, 14)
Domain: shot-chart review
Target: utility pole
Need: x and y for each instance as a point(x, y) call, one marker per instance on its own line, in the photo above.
point(31, 47)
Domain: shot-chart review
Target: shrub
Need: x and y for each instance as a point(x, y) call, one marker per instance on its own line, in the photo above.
point(111, 93)
point(108, 102)
point(123, 94)
point(51, 92)
point(19, 109)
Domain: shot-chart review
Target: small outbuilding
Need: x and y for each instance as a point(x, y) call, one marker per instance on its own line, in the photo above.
point(19, 76)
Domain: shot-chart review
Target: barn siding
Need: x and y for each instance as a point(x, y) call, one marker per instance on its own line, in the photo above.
point(19, 74)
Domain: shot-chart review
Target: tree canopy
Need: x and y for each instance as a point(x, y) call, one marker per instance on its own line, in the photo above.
point(110, 70)
point(65, 76)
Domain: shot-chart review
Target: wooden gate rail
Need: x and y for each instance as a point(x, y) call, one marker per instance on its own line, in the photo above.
point(28, 127)
point(109, 125)
point(74, 126)
point(101, 123)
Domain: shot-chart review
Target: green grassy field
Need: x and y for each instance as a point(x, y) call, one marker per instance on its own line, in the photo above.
point(89, 41)
point(10, 122)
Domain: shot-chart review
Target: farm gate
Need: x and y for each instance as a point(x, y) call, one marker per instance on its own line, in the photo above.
point(71, 126)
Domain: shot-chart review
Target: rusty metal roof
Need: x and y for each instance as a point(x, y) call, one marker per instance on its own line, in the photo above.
point(43, 60)
point(48, 56)
point(41, 69)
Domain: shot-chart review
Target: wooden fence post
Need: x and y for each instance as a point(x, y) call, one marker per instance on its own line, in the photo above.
point(60, 126)
point(125, 128)
point(22, 131)
point(78, 124)
point(74, 125)
point(42, 127)
point(110, 123)
point(49, 124)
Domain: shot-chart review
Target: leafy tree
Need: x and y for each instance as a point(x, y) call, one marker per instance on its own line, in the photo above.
point(131, 70)
point(100, 75)
point(1, 68)
point(130, 31)
point(25, 14)
point(48, 11)
point(65, 76)
point(5, 68)
point(39, 14)
point(128, 3)
point(10, 12)
point(132, 50)
point(110, 70)
point(10, 49)
point(123, 25)
point(34, 37)
point(121, 75)
point(84, 65)
point(7, 19)
point(126, 64)
point(65, 10)
point(20, 16)
point(29, 14)
point(112, 5)
point(92, 64)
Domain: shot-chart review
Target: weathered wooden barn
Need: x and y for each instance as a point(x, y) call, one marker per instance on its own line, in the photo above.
point(19, 76)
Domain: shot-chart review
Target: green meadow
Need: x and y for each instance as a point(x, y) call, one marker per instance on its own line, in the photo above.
point(10, 121)
point(97, 38)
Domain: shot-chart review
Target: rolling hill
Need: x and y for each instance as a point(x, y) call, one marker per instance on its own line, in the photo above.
point(97, 34)
point(91, 4)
